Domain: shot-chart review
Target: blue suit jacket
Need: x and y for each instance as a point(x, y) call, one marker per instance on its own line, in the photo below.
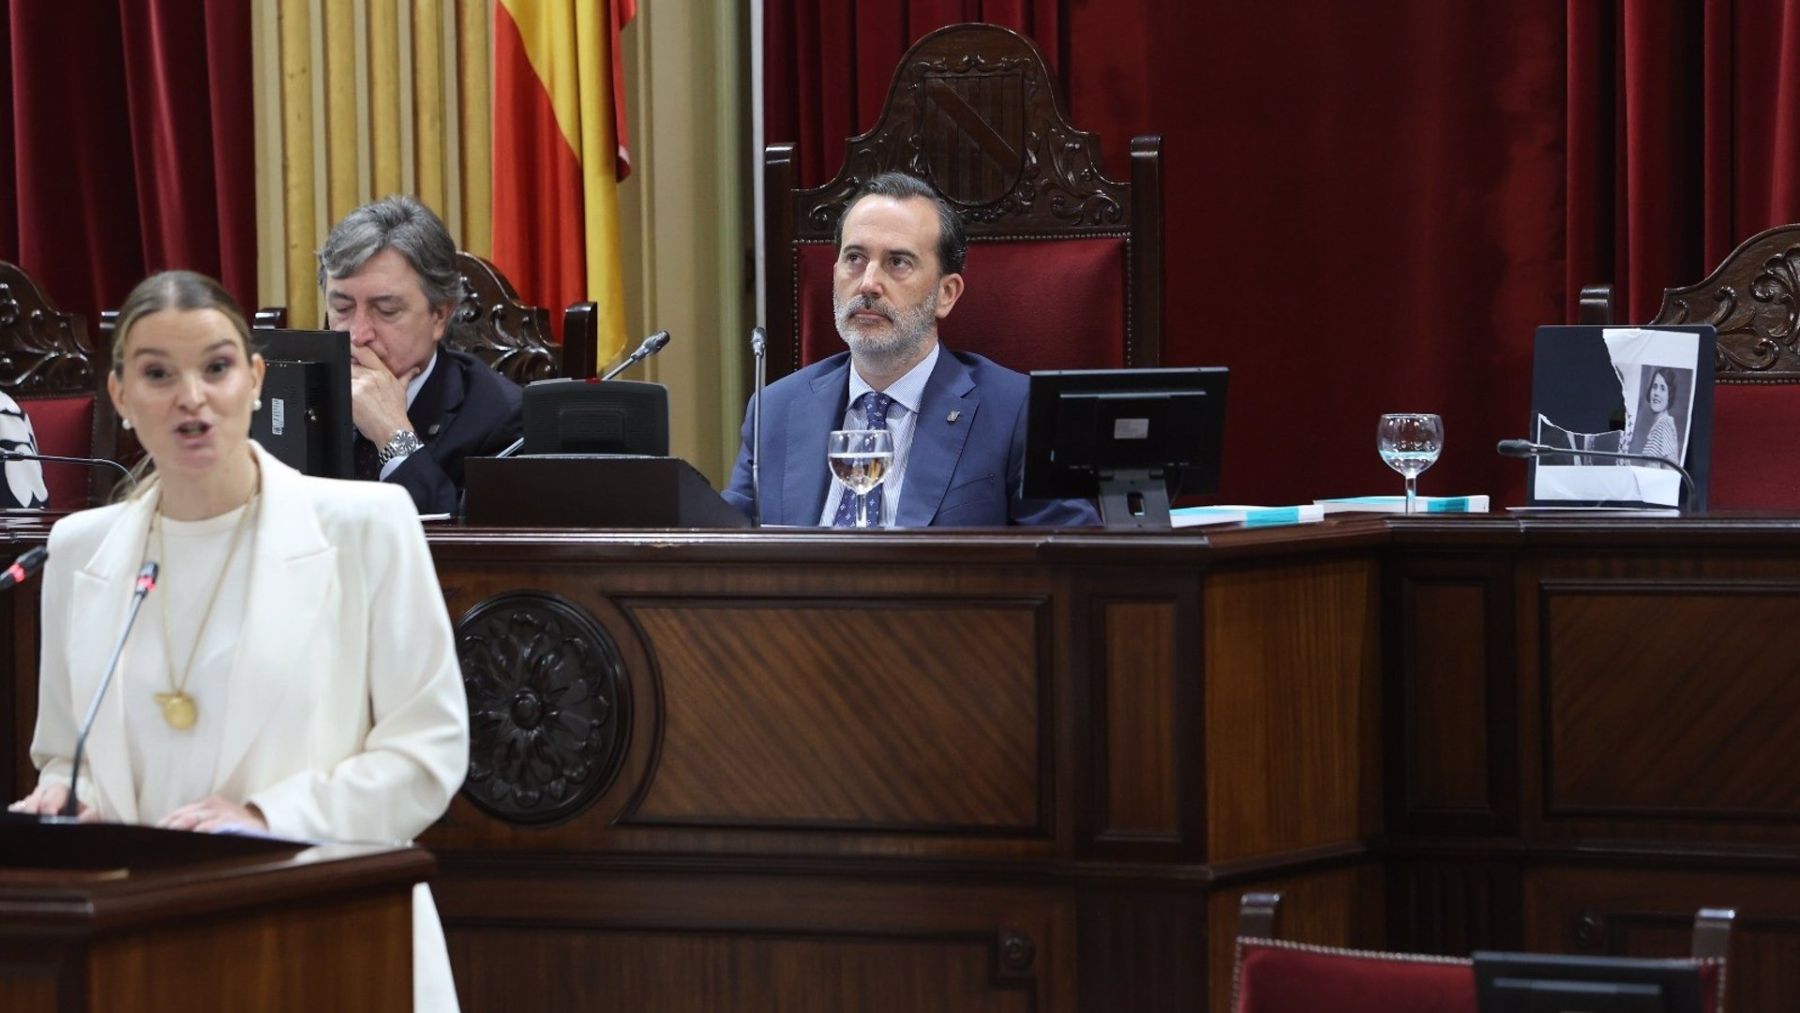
point(965, 473)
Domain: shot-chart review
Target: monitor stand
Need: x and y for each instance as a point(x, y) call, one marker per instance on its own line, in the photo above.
point(1134, 499)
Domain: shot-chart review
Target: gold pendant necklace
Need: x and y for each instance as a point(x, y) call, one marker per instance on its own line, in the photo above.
point(178, 708)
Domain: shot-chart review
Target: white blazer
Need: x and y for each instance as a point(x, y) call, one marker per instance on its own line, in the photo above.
point(346, 719)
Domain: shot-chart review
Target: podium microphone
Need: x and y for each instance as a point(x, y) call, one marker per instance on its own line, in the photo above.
point(1526, 448)
point(759, 348)
point(88, 462)
point(146, 579)
point(23, 568)
point(652, 344)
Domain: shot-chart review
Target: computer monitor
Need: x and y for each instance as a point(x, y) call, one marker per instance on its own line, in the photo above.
point(1125, 437)
point(1540, 983)
point(596, 417)
point(305, 419)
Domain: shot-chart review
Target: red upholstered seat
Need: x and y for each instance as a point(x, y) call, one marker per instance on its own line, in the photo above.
point(1042, 304)
point(64, 427)
point(1756, 447)
point(1064, 265)
point(1275, 976)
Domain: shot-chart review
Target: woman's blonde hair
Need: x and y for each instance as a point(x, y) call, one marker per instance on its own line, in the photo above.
point(180, 291)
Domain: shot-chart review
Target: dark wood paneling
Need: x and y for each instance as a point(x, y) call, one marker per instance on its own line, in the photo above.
point(1447, 719)
point(1650, 912)
point(1648, 687)
point(1141, 779)
point(889, 714)
point(1454, 907)
point(1292, 707)
point(707, 942)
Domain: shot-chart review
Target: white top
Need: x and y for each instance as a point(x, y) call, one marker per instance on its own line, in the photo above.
point(908, 393)
point(185, 763)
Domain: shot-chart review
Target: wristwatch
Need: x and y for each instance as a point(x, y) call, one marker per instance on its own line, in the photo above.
point(399, 445)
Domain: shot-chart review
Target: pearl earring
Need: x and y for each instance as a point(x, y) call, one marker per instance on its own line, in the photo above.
point(256, 405)
point(125, 422)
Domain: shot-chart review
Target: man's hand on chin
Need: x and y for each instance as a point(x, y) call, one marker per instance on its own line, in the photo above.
point(377, 397)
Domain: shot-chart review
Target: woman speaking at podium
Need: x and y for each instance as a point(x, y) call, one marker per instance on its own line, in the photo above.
point(293, 672)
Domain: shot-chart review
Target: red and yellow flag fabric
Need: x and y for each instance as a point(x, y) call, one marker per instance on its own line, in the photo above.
point(559, 154)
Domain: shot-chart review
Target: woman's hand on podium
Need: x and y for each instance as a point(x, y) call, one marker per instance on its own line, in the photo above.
point(49, 799)
point(214, 813)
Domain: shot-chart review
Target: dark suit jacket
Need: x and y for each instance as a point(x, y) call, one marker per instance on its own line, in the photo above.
point(464, 410)
point(965, 473)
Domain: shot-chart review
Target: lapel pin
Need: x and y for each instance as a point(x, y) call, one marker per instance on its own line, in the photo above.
point(952, 417)
point(433, 431)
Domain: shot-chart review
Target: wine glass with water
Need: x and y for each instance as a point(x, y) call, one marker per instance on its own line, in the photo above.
point(860, 459)
point(1410, 442)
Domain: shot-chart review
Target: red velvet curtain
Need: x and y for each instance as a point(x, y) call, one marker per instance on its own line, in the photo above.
point(126, 145)
point(1371, 207)
point(827, 63)
point(1684, 139)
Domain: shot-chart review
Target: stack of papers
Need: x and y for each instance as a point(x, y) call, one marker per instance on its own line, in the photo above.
point(1249, 516)
point(1397, 504)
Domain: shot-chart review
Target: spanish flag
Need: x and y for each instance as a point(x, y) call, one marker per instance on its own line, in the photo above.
point(559, 154)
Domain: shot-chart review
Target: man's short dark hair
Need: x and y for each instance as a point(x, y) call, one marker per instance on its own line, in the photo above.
point(953, 243)
point(398, 223)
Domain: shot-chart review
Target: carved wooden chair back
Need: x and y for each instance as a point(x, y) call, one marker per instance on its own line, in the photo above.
point(49, 365)
point(494, 326)
point(1064, 267)
point(514, 338)
point(1753, 299)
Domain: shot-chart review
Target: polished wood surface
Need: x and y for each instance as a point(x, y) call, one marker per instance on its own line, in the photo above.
point(1036, 770)
point(130, 918)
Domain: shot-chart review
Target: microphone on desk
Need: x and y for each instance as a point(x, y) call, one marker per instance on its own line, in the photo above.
point(23, 568)
point(1528, 449)
point(146, 580)
point(759, 348)
point(652, 344)
point(88, 462)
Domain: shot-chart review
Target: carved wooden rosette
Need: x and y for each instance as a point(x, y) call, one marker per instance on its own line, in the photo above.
point(1753, 299)
point(494, 326)
point(549, 707)
point(45, 351)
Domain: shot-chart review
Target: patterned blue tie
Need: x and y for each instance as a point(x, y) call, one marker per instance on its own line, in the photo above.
point(875, 409)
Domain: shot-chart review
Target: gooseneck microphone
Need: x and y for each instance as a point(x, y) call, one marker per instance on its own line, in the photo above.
point(652, 344)
point(1526, 448)
point(23, 568)
point(146, 580)
point(88, 462)
point(759, 348)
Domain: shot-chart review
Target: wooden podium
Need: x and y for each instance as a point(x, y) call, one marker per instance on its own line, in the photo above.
point(124, 918)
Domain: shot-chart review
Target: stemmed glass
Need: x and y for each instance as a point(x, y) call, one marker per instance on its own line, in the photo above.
point(860, 459)
point(1410, 442)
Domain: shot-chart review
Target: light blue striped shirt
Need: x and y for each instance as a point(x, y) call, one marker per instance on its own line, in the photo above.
point(902, 420)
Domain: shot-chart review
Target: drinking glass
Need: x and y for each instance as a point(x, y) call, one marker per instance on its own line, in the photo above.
point(860, 459)
point(1410, 442)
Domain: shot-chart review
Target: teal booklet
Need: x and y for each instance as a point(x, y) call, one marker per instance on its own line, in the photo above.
point(1249, 516)
point(1397, 504)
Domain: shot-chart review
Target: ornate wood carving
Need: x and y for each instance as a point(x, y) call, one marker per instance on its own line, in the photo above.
point(493, 325)
point(1753, 298)
point(973, 111)
point(42, 350)
point(549, 707)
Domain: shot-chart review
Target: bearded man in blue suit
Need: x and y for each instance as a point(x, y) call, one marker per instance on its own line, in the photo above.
point(958, 419)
